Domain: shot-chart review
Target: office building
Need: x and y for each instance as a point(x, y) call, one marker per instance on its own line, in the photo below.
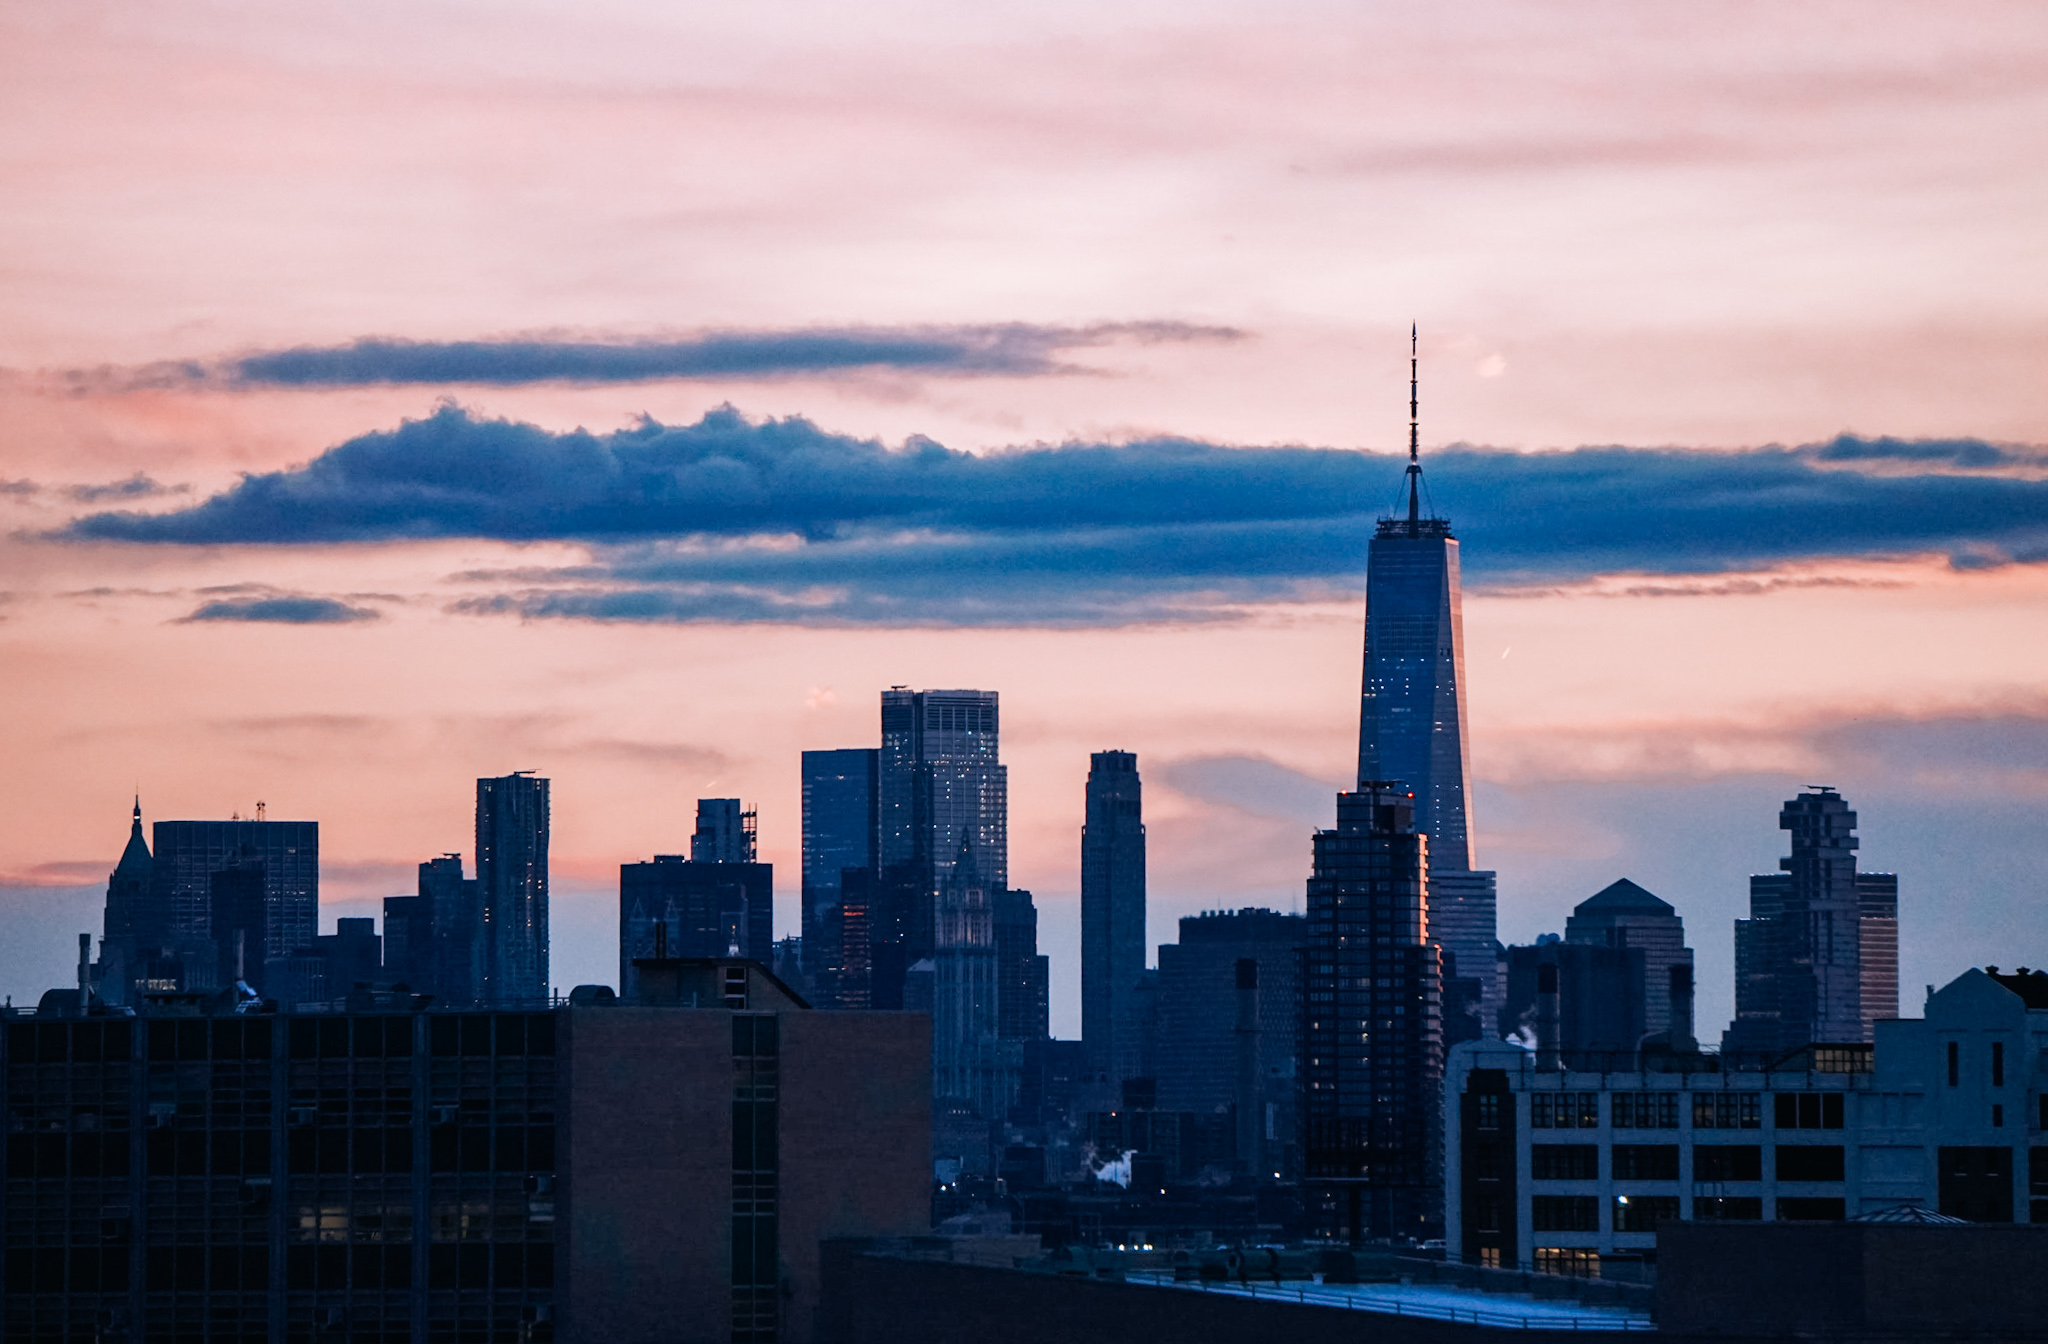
point(1800, 976)
point(599, 1172)
point(1570, 1170)
point(1228, 1035)
point(1413, 729)
point(1112, 910)
point(695, 909)
point(839, 821)
point(971, 1070)
point(1622, 914)
point(512, 887)
point(1023, 1005)
point(725, 832)
point(941, 792)
point(432, 939)
point(1372, 1049)
point(160, 927)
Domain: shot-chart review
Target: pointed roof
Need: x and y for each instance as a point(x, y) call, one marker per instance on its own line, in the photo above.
point(1910, 1213)
point(1622, 898)
point(135, 860)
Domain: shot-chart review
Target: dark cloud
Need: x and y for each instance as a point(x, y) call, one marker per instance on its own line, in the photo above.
point(1011, 349)
point(282, 609)
point(20, 489)
point(1964, 454)
point(138, 486)
point(733, 520)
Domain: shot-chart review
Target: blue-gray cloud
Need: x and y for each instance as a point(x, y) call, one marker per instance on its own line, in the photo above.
point(734, 520)
point(1008, 349)
point(282, 609)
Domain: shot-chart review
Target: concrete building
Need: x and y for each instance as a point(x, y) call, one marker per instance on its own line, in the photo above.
point(604, 1172)
point(1112, 912)
point(1569, 1169)
point(512, 821)
point(1372, 1049)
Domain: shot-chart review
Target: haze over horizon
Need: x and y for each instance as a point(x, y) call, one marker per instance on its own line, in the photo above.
point(403, 394)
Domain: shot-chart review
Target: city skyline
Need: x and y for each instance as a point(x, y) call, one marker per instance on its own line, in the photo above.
point(1738, 323)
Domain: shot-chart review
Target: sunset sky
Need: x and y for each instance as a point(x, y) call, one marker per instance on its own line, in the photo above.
point(394, 393)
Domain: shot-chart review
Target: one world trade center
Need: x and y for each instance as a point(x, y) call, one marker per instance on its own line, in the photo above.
point(1412, 728)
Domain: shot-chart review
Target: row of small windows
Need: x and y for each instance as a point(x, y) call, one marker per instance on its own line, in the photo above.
point(1710, 1162)
point(219, 1269)
point(308, 1151)
point(1660, 1110)
point(1642, 1213)
point(238, 1038)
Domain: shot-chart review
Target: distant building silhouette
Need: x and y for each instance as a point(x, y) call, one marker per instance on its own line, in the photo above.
point(433, 939)
point(724, 834)
point(512, 881)
point(1622, 914)
point(703, 908)
point(1112, 911)
point(1023, 1006)
point(1576, 997)
point(1817, 959)
point(1372, 1046)
point(839, 820)
point(1215, 1053)
point(160, 924)
point(970, 1067)
point(941, 792)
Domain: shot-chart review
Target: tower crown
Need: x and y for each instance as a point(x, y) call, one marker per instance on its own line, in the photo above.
point(1414, 525)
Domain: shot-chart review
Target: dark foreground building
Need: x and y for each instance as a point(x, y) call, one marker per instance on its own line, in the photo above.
point(607, 1171)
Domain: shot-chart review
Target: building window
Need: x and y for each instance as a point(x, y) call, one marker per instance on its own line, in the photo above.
point(1486, 1213)
point(1564, 1162)
point(1998, 1063)
point(1486, 1162)
point(1809, 1162)
point(1808, 1110)
point(1564, 1213)
point(1489, 1257)
point(1843, 1059)
point(1564, 1110)
point(1486, 1110)
point(1998, 1117)
point(1645, 1161)
point(1810, 1210)
point(1642, 1213)
point(1727, 1209)
point(1728, 1162)
point(1976, 1183)
point(1573, 1261)
point(1955, 1064)
point(1645, 1110)
point(1727, 1110)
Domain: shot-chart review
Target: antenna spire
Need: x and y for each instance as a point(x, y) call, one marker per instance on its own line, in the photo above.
point(1414, 434)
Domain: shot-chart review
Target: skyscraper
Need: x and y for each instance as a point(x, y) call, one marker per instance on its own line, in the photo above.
point(1800, 958)
point(1622, 914)
point(839, 819)
point(1412, 720)
point(1372, 1045)
point(709, 908)
point(128, 932)
point(1112, 909)
point(512, 882)
point(941, 792)
point(968, 1059)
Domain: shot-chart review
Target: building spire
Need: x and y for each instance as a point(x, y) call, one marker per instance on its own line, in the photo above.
point(1414, 435)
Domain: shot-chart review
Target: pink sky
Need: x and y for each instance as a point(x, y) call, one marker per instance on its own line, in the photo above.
point(1720, 225)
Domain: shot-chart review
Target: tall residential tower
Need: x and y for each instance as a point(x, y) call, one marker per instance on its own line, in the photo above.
point(512, 883)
